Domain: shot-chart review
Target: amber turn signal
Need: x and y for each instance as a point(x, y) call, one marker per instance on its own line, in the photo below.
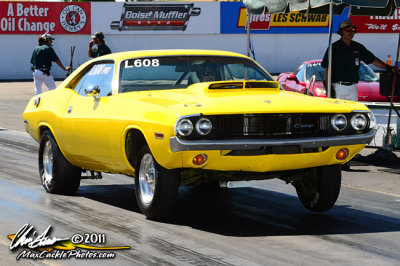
point(342, 154)
point(199, 159)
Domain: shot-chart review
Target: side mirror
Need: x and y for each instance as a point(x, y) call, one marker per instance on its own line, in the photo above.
point(302, 83)
point(292, 77)
point(93, 91)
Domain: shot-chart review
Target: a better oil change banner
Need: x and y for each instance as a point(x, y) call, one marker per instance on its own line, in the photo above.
point(41, 17)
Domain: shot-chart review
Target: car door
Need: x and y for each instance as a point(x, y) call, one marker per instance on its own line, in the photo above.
point(87, 120)
point(299, 85)
point(366, 86)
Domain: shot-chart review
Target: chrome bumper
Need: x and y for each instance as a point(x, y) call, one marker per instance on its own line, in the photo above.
point(178, 144)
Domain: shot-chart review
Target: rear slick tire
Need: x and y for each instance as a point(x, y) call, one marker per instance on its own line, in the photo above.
point(156, 187)
point(57, 175)
point(319, 191)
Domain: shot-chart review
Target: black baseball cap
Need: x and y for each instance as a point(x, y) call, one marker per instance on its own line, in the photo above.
point(99, 35)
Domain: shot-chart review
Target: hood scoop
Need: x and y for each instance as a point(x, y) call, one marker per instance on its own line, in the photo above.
point(244, 85)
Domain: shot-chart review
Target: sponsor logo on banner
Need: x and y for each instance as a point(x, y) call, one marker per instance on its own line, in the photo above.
point(73, 18)
point(41, 17)
point(292, 19)
point(257, 22)
point(137, 17)
point(377, 24)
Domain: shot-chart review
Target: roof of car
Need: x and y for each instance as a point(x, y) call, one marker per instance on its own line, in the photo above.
point(319, 61)
point(313, 61)
point(141, 53)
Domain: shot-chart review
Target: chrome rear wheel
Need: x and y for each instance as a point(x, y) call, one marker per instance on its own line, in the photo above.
point(47, 176)
point(147, 179)
point(57, 175)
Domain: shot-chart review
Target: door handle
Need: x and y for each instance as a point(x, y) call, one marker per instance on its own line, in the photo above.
point(69, 109)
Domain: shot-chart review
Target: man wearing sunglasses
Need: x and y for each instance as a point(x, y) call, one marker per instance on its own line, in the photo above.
point(208, 73)
point(346, 59)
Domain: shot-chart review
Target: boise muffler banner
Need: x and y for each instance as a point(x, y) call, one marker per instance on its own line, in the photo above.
point(149, 17)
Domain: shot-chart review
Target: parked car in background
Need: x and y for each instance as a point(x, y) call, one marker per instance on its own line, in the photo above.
point(308, 79)
point(187, 117)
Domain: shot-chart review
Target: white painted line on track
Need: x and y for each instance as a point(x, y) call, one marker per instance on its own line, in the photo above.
point(374, 191)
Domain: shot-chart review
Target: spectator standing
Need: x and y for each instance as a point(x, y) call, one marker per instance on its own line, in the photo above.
point(41, 59)
point(346, 59)
point(97, 46)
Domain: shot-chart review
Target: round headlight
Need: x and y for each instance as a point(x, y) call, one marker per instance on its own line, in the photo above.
point(319, 91)
point(359, 122)
point(372, 120)
point(339, 122)
point(184, 127)
point(203, 126)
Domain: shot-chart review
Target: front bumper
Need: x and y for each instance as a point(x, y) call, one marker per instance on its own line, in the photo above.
point(178, 144)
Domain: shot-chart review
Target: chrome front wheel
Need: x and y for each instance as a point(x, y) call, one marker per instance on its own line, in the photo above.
point(156, 187)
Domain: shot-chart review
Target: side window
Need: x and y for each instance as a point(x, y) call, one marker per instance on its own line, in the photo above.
point(300, 73)
point(99, 75)
point(241, 71)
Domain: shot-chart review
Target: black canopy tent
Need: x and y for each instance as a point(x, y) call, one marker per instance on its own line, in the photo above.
point(356, 7)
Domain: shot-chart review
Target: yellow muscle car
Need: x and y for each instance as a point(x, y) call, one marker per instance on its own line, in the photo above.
point(187, 117)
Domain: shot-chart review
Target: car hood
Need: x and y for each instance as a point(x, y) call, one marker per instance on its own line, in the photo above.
point(199, 98)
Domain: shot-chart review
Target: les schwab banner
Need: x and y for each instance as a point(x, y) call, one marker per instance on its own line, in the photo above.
point(234, 20)
point(41, 17)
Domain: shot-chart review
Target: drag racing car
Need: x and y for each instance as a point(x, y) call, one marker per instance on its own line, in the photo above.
point(187, 117)
point(309, 76)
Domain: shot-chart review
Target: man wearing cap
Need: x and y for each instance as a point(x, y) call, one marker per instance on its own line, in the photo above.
point(346, 59)
point(41, 59)
point(97, 46)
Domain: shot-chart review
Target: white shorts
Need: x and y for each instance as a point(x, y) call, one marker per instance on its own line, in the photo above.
point(39, 78)
point(346, 92)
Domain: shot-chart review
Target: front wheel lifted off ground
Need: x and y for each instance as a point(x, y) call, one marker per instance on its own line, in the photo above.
point(156, 187)
point(319, 191)
point(57, 175)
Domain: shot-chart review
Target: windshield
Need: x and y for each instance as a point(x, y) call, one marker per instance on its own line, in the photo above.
point(175, 72)
point(315, 69)
point(365, 72)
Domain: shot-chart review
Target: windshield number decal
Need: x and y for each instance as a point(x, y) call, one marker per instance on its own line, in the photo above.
point(101, 69)
point(143, 63)
point(313, 64)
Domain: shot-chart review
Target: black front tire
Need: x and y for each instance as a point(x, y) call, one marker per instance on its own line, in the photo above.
point(156, 187)
point(57, 175)
point(319, 191)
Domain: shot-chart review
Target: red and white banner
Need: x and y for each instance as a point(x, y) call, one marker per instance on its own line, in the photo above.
point(376, 24)
point(41, 17)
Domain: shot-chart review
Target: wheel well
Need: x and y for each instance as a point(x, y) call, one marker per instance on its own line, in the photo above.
point(133, 142)
point(42, 129)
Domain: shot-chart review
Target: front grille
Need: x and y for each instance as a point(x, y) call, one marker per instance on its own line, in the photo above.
point(272, 125)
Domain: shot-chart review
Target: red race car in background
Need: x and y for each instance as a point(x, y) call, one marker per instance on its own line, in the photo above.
point(308, 79)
